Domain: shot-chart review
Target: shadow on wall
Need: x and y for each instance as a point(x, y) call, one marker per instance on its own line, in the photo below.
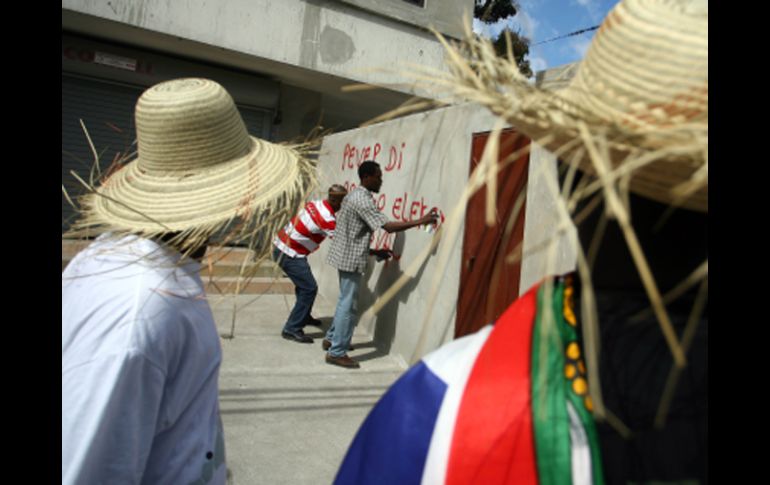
point(385, 321)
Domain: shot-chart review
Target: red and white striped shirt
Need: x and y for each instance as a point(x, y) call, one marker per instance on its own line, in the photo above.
point(307, 230)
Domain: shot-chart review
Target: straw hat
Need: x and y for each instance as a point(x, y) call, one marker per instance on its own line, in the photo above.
point(197, 168)
point(640, 94)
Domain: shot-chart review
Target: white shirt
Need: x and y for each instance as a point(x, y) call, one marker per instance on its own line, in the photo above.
point(140, 367)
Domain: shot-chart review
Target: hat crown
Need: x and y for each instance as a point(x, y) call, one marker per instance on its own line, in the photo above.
point(188, 124)
point(647, 66)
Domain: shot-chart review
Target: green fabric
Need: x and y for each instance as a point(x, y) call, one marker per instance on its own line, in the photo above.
point(551, 389)
point(549, 412)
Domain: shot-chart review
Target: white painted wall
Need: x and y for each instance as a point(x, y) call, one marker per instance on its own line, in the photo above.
point(433, 151)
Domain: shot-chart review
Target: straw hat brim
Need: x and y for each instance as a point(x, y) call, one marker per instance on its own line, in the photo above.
point(137, 201)
point(665, 179)
point(639, 99)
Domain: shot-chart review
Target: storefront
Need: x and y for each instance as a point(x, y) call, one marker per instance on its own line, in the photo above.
point(100, 85)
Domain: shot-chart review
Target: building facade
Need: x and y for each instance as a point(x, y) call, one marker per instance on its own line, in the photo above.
point(285, 63)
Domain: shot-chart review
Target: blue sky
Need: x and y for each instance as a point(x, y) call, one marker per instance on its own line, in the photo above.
point(541, 20)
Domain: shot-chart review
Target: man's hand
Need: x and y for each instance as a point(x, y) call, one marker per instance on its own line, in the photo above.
point(397, 226)
point(430, 218)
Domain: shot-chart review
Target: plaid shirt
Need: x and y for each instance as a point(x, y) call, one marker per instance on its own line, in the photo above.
point(357, 220)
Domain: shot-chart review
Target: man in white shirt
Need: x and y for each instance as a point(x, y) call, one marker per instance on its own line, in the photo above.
point(140, 348)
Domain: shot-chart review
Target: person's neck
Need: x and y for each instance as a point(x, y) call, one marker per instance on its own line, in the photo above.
point(168, 239)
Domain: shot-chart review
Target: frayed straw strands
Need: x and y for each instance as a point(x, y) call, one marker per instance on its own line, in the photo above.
point(635, 116)
point(199, 178)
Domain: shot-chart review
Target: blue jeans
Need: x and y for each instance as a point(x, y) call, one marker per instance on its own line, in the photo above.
point(346, 314)
point(305, 289)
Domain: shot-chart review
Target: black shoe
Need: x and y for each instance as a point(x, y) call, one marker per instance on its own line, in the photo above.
point(326, 345)
point(299, 336)
point(313, 321)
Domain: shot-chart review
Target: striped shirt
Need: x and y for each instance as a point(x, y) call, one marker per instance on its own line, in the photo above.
point(307, 230)
point(358, 219)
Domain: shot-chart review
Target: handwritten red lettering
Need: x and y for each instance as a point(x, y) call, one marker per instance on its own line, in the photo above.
point(381, 240)
point(396, 208)
point(392, 161)
point(353, 157)
point(414, 211)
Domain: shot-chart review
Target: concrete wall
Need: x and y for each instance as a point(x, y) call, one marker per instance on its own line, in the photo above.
point(425, 160)
point(433, 150)
point(78, 57)
point(323, 36)
point(445, 16)
point(548, 247)
point(557, 77)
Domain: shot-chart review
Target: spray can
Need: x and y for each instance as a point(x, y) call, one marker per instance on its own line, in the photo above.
point(431, 228)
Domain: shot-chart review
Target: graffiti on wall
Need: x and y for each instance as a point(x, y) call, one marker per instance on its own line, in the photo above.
point(401, 206)
point(390, 158)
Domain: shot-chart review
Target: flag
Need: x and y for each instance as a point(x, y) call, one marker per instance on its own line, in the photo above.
point(506, 405)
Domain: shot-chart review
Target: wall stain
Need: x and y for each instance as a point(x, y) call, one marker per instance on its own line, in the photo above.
point(336, 46)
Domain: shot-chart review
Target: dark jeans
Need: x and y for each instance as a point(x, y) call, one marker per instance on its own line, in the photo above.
point(305, 289)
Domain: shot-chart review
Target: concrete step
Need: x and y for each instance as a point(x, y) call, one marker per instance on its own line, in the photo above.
point(226, 285)
point(221, 266)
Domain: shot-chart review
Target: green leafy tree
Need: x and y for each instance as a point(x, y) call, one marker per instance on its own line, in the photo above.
point(492, 11)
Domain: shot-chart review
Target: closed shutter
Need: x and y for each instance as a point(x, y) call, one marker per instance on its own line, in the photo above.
point(257, 121)
point(107, 110)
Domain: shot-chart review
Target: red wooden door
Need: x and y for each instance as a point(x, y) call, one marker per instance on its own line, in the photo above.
point(488, 284)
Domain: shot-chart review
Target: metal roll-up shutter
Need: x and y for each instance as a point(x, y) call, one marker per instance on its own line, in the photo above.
point(107, 110)
point(257, 121)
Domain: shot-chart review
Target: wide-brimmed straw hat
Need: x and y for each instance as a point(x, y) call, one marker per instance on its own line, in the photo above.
point(639, 98)
point(197, 170)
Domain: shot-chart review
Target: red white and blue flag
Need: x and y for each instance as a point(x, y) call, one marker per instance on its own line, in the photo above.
point(506, 405)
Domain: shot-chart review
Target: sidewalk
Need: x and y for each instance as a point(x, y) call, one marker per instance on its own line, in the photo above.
point(288, 416)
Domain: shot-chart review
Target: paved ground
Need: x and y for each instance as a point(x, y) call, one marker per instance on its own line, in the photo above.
point(289, 417)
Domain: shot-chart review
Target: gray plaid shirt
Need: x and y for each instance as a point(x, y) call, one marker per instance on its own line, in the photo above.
point(357, 220)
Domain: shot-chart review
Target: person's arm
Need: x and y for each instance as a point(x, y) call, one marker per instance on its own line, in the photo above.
point(395, 226)
point(109, 417)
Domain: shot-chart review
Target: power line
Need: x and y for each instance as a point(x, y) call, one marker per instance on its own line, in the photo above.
point(577, 32)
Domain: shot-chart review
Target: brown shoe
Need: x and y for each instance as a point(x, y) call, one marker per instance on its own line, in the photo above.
point(342, 361)
point(326, 345)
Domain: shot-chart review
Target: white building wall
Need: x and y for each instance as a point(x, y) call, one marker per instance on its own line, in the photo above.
point(548, 246)
point(433, 151)
point(425, 160)
point(328, 37)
